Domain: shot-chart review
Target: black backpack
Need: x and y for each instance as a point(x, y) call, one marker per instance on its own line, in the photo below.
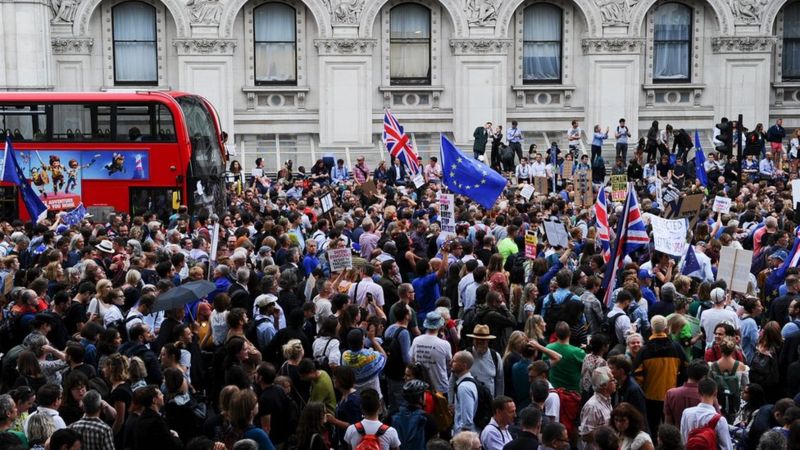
point(507, 154)
point(483, 411)
point(395, 366)
point(609, 328)
point(515, 265)
point(468, 322)
point(251, 333)
point(764, 370)
point(555, 313)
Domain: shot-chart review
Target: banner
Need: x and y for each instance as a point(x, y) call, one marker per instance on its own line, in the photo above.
point(446, 213)
point(619, 187)
point(669, 236)
point(734, 268)
point(721, 204)
point(540, 184)
point(530, 244)
point(584, 190)
point(527, 192)
point(556, 234)
point(340, 259)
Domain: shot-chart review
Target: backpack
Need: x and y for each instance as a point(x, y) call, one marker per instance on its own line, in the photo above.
point(410, 426)
point(395, 366)
point(123, 328)
point(507, 154)
point(369, 441)
point(483, 411)
point(251, 333)
point(704, 437)
point(441, 412)
point(728, 389)
point(10, 331)
point(764, 369)
point(322, 361)
point(555, 313)
point(570, 410)
point(515, 265)
point(468, 323)
point(609, 328)
point(494, 354)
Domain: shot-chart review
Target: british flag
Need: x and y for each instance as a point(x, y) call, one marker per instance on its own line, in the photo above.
point(601, 217)
point(398, 143)
point(631, 236)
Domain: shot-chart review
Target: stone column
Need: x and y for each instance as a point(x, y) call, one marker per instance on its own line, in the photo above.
point(481, 85)
point(744, 82)
point(614, 82)
point(345, 91)
point(25, 55)
point(205, 67)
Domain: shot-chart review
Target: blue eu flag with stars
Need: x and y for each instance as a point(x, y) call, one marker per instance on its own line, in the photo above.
point(690, 264)
point(11, 172)
point(466, 176)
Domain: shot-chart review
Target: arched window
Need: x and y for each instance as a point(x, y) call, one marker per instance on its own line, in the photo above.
point(135, 56)
point(541, 44)
point(791, 42)
point(275, 44)
point(410, 44)
point(672, 43)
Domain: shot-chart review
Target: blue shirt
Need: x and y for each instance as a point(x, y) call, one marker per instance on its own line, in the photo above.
point(749, 330)
point(339, 174)
point(466, 405)
point(265, 331)
point(260, 436)
point(310, 262)
point(427, 291)
point(599, 138)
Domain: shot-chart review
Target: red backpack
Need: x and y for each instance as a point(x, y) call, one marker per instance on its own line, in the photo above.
point(704, 437)
point(570, 410)
point(370, 441)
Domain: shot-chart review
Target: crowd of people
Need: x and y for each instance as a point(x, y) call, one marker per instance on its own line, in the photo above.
point(491, 337)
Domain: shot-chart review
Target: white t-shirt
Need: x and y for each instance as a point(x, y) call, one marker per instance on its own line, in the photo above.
point(330, 347)
point(389, 439)
point(710, 318)
point(433, 353)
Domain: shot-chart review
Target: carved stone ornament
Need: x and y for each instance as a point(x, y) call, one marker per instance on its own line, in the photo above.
point(616, 12)
point(480, 46)
point(64, 10)
point(611, 45)
point(742, 44)
point(72, 45)
point(204, 12)
point(327, 47)
point(482, 13)
point(205, 46)
point(345, 12)
point(747, 12)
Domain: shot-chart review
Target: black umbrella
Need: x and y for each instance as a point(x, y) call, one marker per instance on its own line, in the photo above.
point(183, 294)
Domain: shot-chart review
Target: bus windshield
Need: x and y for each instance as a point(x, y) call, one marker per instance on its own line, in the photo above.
point(206, 153)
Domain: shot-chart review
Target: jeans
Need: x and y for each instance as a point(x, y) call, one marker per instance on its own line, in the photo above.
point(517, 147)
point(622, 152)
point(596, 150)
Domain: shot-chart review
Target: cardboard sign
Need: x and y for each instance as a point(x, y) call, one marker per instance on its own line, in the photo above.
point(584, 190)
point(722, 204)
point(690, 206)
point(527, 192)
point(669, 236)
point(556, 234)
point(447, 213)
point(369, 189)
point(795, 191)
point(340, 259)
point(619, 187)
point(419, 181)
point(326, 201)
point(566, 169)
point(540, 184)
point(530, 244)
point(734, 268)
point(257, 172)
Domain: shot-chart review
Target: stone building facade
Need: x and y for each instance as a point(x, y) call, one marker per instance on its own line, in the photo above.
point(300, 78)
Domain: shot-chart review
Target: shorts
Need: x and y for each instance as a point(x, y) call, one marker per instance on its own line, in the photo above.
point(776, 147)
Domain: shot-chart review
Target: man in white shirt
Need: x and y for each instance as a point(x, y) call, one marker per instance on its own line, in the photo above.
point(621, 320)
point(573, 137)
point(371, 425)
point(49, 398)
point(496, 435)
point(365, 288)
point(705, 414)
point(710, 318)
point(523, 172)
point(538, 168)
point(432, 351)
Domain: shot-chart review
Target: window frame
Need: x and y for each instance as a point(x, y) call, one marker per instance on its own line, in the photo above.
point(255, 53)
point(411, 81)
point(783, 40)
point(155, 43)
point(560, 78)
point(689, 43)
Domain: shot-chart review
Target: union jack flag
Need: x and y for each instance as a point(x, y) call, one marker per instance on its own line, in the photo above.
point(631, 236)
point(601, 217)
point(398, 143)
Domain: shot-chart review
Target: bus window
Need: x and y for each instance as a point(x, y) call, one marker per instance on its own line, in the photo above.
point(71, 122)
point(23, 122)
point(134, 123)
point(206, 154)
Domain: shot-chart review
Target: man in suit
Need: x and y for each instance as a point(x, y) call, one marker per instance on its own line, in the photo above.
point(153, 426)
point(481, 136)
point(397, 173)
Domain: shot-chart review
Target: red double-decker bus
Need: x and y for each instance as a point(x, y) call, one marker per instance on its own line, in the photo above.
point(132, 151)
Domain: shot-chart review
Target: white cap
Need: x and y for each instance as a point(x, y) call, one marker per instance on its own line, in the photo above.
point(265, 300)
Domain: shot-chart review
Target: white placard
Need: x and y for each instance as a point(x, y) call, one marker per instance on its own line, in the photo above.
point(257, 172)
point(795, 192)
point(722, 204)
point(556, 234)
point(326, 201)
point(734, 268)
point(214, 241)
point(669, 236)
point(527, 191)
point(419, 181)
point(340, 259)
point(447, 213)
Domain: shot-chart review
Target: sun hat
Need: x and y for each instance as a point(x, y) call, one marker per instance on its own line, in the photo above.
point(481, 332)
point(104, 246)
point(433, 321)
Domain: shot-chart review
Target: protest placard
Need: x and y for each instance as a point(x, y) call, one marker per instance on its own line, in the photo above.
point(556, 234)
point(566, 169)
point(530, 244)
point(584, 191)
point(734, 268)
point(419, 181)
point(527, 191)
point(214, 242)
point(690, 207)
point(257, 172)
point(669, 236)
point(340, 259)
point(619, 187)
point(540, 183)
point(447, 213)
point(721, 204)
point(795, 192)
point(326, 201)
point(369, 189)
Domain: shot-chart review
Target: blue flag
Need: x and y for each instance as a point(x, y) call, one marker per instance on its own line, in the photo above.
point(690, 264)
point(75, 216)
point(12, 173)
point(699, 160)
point(465, 176)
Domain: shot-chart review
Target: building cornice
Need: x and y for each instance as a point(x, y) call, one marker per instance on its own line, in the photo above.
point(601, 46)
point(72, 46)
point(743, 44)
point(336, 47)
point(204, 46)
point(480, 46)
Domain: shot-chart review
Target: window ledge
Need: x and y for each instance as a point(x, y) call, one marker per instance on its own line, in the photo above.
point(542, 87)
point(276, 97)
point(274, 88)
point(134, 88)
point(672, 86)
point(673, 94)
point(411, 88)
point(786, 84)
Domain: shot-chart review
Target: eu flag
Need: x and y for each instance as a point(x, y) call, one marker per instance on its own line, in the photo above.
point(699, 160)
point(12, 173)
point(690, 264)
point(465, 176)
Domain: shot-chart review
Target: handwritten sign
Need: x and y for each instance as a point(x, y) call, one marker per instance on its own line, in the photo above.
point(669, 236)
point(419, 181)
point(567, 168)
point(447, 213)
point(556, 234)
point(584, 191)
point(340, 259)
point(619, 187)
point(530, 244)
point(527, 192)
point(734, 268)
point(721, 204)
point(540, 183)
point(326, 201)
